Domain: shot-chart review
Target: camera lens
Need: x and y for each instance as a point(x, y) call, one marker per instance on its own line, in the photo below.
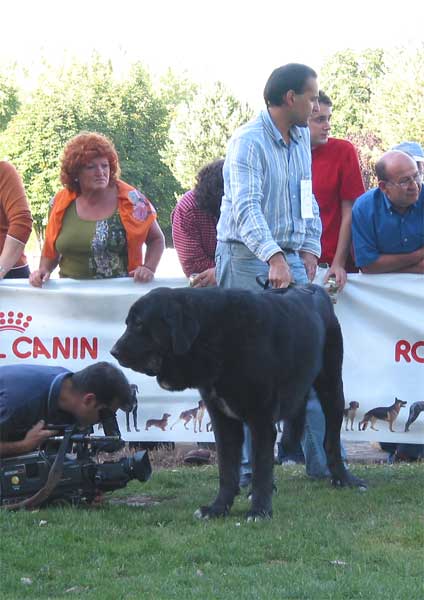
point(138, 466)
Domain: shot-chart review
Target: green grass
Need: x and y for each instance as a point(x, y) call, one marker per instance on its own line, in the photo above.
point(322, 543)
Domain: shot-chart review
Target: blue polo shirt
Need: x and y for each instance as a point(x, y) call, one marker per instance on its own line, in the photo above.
point(29, 393)
point(377, 227)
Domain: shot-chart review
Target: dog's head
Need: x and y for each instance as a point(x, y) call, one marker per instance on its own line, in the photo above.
point(400, 403)
point(353, 405)
point(159, 325)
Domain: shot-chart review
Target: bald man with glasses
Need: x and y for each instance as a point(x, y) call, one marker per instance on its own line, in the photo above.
point(388, 221)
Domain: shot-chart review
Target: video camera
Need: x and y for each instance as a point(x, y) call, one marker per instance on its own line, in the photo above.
point(80, 478)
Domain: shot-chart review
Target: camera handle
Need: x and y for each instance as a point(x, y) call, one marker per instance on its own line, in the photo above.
point(53, 479)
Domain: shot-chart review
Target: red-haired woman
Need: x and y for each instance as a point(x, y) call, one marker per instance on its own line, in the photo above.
point(98, 223)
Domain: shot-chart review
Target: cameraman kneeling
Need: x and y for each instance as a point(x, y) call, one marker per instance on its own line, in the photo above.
point(32, 396)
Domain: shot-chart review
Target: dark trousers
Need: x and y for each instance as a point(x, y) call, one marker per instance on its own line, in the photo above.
point(20, 273)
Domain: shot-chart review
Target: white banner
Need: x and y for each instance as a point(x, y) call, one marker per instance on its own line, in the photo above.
point(74, 323)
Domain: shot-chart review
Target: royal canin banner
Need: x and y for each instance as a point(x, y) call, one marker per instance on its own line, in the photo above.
point(75, 323)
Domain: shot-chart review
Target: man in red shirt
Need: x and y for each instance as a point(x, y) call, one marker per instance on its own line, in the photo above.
point(336, 183)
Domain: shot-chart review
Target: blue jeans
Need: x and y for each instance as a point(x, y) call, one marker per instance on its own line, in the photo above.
point(237, 266)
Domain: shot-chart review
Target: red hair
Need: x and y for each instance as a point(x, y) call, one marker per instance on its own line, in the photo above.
point(79, 151)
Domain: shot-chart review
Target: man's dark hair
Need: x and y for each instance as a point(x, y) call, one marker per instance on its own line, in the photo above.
point(324, 99)
point(106, 381)
point(209, 187)
point(288, 77)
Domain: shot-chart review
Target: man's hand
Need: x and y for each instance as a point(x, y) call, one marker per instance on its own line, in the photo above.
point(340, 275)
point(205, 279)
point(36, 436)
point(311, 262)
point(279, 274)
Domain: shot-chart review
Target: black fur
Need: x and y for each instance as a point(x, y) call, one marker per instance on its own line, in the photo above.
point(253, 356)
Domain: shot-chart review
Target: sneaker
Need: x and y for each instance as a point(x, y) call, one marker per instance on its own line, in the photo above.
point(245, 480)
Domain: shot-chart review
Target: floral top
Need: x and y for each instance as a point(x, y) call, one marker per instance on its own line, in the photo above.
point(92, 249)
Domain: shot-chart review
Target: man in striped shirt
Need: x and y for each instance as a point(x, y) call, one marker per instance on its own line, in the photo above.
point(269, 223)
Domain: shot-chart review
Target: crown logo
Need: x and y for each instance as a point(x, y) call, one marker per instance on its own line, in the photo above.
point(15, 321)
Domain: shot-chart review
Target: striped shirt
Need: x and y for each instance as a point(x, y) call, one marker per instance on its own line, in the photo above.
point(261, 206)
point(194, 235)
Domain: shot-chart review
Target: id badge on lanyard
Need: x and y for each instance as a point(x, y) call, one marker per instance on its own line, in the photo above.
point(306, 199)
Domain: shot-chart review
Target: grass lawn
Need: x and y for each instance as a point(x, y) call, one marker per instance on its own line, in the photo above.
point(322, 543)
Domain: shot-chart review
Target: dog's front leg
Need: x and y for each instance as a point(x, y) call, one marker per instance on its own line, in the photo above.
point(229, 438)
point(263, 440)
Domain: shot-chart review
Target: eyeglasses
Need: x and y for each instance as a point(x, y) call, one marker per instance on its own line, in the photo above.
point(404, 184)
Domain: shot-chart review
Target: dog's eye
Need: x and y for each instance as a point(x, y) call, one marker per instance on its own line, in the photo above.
point(138, 323)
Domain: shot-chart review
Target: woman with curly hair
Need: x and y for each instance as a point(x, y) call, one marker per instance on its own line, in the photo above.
point(98, 223)
point(194, 222)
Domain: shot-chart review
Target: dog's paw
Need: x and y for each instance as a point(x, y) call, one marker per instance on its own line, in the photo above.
point(210, 512)
point(349, 480)
point(254, 516)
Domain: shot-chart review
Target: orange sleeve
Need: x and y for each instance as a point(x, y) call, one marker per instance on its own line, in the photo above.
point(50, 235)
point(14, 203)
point(58, 207)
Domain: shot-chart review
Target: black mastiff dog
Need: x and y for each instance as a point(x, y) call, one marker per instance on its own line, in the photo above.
point(253, 356)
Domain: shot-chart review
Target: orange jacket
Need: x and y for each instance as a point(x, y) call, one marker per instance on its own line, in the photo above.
point(136, 212)
point(15, 216)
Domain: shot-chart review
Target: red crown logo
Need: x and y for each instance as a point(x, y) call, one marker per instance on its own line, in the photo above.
point(17, 322)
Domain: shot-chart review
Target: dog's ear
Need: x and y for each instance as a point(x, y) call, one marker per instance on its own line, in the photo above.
point(184, 327)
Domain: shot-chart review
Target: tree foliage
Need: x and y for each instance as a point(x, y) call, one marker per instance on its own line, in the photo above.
point(349, 78)
point(370, 148)
point(203, 127)
point(9, 100)
point(398, 101)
